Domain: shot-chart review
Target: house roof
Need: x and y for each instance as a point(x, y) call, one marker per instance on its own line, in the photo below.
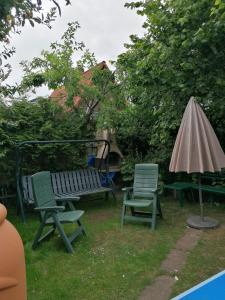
point(60, 95)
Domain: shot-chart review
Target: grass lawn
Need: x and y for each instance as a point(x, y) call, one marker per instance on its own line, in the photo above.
point(111, 263)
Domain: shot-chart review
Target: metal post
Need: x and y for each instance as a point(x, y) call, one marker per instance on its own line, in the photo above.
point(200, 197)
point(19, 197)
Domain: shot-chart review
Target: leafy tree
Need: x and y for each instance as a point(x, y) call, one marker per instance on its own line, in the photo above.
point(181, 55)
point(56, 69)
point(13, 16)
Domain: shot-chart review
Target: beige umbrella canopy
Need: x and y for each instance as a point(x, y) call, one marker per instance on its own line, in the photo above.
point(197, 150)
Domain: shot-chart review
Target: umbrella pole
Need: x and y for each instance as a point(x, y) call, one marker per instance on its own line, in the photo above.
point(200, 196)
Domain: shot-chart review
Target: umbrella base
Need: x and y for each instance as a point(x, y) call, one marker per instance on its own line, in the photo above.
point(199, 223)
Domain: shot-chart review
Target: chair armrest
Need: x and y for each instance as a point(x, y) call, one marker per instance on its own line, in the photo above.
point(127, 192)
point(127, 189)
point(50, 208)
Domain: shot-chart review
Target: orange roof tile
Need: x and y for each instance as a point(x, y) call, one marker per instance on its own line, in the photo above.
point(59, 95)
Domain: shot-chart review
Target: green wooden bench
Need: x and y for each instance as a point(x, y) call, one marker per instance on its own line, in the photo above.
point(212, 183)
point(69, 184)
point(212, 189)
point(182, 187)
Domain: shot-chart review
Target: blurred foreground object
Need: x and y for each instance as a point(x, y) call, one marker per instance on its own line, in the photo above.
point(12, 261)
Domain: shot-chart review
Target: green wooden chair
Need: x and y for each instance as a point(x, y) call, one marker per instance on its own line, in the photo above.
point(142, 196)
point(53, 215)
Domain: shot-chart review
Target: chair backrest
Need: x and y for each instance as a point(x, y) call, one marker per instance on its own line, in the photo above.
point(42, 189)
point(145, 180)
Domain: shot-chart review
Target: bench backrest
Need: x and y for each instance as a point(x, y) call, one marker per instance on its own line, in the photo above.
point(27, 191)
point(66, 182)
point(75, 181)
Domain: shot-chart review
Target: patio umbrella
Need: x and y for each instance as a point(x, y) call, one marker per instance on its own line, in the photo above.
point(197, 150)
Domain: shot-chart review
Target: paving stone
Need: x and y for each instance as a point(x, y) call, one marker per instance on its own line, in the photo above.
point(159, 290)
point(174, 261)
point(189, 240)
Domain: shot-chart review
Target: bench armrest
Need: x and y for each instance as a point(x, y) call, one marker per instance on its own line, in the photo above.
point(50, 208)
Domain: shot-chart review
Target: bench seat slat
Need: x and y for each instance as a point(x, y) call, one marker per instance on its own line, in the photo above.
point(84, 182)
point(67, 183)
point(77, 178)
point(97, 178)
point(90, 178)
point(93, 175)
point(54, 185)
point(25, 188)
point(58, 183)
point(71, 182)
point(63, 182)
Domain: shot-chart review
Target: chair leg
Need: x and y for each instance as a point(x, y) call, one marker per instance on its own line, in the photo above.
point(159, 208)
point(114, 196)
point(154, 211)
point(132, 211)
point(82, 227)
point(62, 234)
point(38, 238)
point(123, 214)
point(181, 198)
point(192, 195)
point(38, 235)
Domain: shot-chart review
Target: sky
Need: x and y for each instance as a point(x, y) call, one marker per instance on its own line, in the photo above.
point(105, 26)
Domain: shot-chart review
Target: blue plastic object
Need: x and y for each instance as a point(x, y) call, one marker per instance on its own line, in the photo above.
point(210, 289)
point(105, 180)
point(91, 160)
